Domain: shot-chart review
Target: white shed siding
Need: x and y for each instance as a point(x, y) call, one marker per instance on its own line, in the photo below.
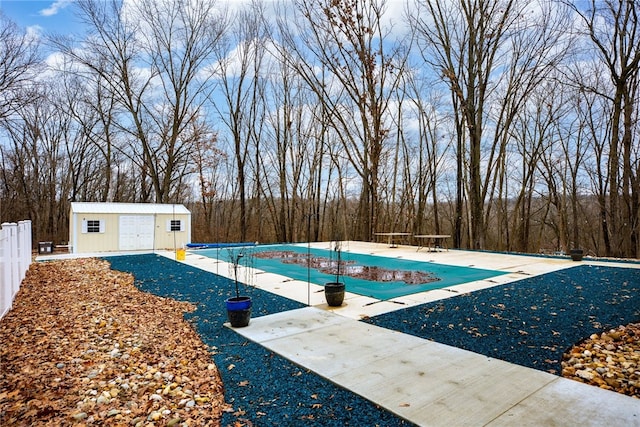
point(103, 227)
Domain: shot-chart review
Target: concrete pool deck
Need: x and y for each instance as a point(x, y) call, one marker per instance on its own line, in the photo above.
point(425, 382)
point(356, 306)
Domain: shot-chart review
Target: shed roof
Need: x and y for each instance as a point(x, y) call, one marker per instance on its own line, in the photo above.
point(128, 208)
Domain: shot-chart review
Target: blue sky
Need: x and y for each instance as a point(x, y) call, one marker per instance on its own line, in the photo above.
point(42, 16)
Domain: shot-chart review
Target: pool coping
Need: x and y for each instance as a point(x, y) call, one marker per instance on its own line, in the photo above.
point(278, 259)
point(356, 306)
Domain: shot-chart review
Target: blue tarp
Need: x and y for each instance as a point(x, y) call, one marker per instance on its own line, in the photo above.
point(444, 275)
point(218, 245)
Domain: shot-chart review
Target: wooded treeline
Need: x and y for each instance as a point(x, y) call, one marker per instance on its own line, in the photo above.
point(509, 124)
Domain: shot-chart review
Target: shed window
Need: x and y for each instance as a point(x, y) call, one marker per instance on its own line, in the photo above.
point(93, 226)
point(175, 225)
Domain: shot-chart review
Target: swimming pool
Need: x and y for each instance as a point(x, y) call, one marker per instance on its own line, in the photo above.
point(435, 276)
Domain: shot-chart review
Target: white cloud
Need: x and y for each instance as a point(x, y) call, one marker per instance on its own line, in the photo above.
point(55, 7)
point(56, 61)
point(34, 32)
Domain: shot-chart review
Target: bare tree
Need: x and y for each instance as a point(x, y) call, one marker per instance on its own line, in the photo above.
point(239, 61)
point(491, 54)
point(110, 59)
point(288, 150)
point(420, 158)
point(562, 159)
point(150, 56)
point(19, 63)
point(37, 157)
point(596, 113)
point(613, 28)
point(349, 42)
point(179, 40)
point(533, 134)
point(207, 158)
point(429, 151)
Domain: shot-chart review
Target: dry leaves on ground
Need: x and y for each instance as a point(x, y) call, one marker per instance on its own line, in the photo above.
point(82, 346)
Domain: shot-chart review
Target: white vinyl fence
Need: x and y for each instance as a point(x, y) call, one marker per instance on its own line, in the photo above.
point(15, 258)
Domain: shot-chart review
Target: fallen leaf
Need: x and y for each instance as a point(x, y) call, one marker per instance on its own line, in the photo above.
point(77, 324)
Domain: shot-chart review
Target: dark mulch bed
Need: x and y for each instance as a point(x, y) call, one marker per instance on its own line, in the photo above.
point(531, 322)
point(264, 388)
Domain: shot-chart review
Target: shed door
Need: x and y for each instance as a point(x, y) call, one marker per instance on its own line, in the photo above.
point(136, 232)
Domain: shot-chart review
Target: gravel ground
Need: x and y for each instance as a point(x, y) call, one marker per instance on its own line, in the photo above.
point(610, 360)
point(262, 388)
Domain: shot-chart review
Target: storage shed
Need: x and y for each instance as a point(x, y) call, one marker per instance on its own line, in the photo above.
point(104, 227)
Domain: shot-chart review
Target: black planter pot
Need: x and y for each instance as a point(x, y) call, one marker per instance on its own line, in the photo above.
point(334, 293)
point(576, 254)
point(239, 311)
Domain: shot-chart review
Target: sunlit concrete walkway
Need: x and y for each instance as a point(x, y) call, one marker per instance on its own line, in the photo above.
point(432, 384)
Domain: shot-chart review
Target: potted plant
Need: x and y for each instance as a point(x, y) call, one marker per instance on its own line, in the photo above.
point(576, 254)
point(238, 307)
point(334, 291)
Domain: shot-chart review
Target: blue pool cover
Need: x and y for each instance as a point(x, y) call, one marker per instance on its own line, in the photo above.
point(445, 275)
